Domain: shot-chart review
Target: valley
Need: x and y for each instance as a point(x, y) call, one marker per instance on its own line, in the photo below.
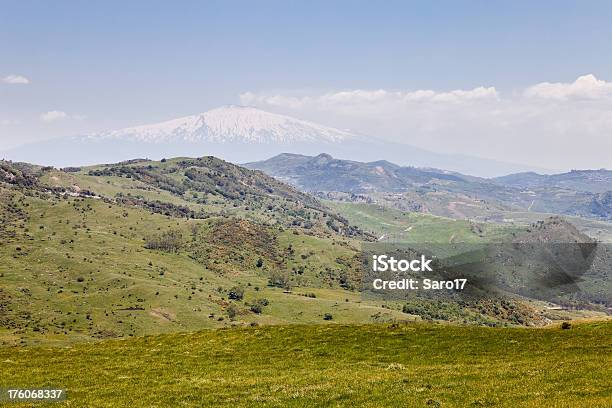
point(515, 199)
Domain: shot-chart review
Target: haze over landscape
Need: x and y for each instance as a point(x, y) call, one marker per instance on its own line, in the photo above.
point(293, 204)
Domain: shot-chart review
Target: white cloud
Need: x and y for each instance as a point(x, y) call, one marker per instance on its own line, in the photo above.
point(362, 96)
point(555, 125)
point(53, 116)
point(15, 80)
point(585, 87)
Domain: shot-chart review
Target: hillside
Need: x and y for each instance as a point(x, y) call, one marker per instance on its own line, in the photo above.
point(553, 260)
point(443, 193)
point(333, 365)
point(548, 260)
point(199, 188)
point(595, 181)
point(393, 225)
point(324, 173)
point(145, 247)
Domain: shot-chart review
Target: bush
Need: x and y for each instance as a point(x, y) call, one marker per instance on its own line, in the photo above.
point(236, 293)
point(232, 311)
point(279, 280)
point(259, 263)
point(169, 241)
point(566, 326)
point(258, 305)
point(327, 316)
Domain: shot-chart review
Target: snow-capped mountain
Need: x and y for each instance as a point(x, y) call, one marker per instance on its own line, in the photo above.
point(231, 124)
point(243, 134)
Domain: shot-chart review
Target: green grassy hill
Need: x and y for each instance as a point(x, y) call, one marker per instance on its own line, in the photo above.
point(411, 365)
point(82, 268)
point(147, 247)
point(199, 188)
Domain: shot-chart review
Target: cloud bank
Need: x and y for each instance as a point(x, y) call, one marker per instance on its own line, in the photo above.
point(554, 125)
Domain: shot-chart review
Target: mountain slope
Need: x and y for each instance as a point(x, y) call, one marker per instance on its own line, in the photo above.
point(594, 181)
point(325, 173)
point(230, 124)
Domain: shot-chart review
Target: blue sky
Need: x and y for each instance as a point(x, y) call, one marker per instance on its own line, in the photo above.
point(112, 64)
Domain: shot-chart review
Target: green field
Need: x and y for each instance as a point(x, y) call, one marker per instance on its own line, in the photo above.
point(393, 225)
point(412, 365)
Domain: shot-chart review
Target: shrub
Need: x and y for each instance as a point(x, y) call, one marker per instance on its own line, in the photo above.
point(258, 305)
point(327, 316)
point(232, 311)
point(236, 293)
point(169, 241)
point(566, 326)
point(279, 280)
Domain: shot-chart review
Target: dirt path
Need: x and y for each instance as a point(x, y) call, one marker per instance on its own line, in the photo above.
point(530, 205)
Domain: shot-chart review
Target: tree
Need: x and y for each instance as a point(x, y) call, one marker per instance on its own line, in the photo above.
point(169, 241)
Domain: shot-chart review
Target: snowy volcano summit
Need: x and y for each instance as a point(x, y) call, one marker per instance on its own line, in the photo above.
point(242, 134)
point(234, 133)
point(231, 124)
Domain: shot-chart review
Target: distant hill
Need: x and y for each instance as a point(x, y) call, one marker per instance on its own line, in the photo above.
point(552, 260)
point(325, 173)
point(579, 193)
point(594, 181)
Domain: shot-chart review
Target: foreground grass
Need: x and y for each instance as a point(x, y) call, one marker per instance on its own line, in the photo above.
point(331, 365)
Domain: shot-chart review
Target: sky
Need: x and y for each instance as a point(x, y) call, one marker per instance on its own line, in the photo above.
point(522, 81)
